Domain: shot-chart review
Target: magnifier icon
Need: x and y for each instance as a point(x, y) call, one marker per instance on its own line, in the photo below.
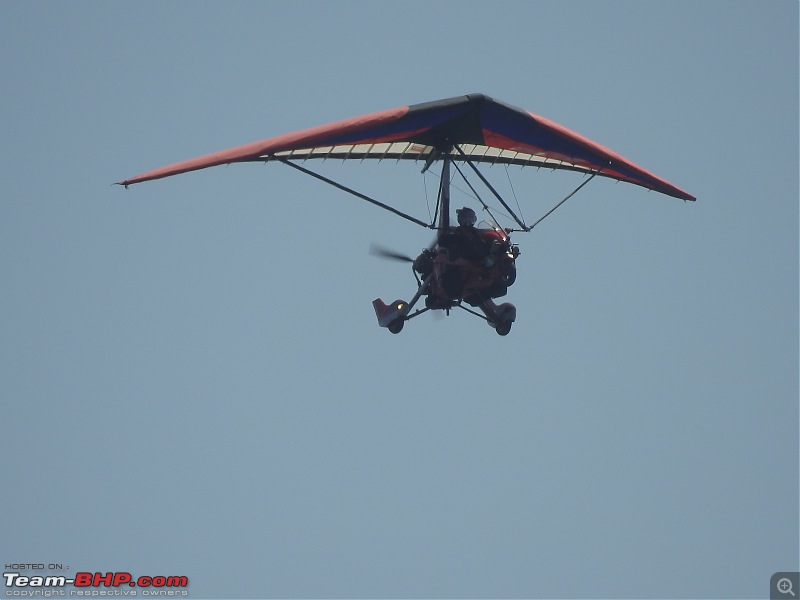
point(784, 586)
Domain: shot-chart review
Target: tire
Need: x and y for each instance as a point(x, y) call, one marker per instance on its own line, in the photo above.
point(396, 326)
point(503, 328)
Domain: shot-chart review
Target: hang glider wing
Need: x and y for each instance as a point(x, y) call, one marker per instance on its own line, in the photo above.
point(475, 126)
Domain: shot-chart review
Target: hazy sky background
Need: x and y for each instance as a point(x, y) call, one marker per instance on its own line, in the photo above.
point(192, 378)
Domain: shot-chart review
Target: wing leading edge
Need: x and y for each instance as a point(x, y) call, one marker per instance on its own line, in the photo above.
point(484, 129)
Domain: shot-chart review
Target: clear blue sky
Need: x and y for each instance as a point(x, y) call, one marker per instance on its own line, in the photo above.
point(191, 375)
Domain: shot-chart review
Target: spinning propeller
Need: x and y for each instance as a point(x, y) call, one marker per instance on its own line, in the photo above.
point(382, 252)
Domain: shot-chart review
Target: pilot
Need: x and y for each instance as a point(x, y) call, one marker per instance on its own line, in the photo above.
point(466, 217)
point(462, 242)
point(465, 241)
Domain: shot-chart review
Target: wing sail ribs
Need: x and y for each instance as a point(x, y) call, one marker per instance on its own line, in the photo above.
point(486, 130)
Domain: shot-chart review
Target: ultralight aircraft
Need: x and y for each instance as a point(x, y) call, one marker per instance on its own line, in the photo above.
point(465, 265)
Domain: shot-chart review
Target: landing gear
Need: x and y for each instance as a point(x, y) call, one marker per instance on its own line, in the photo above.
point(503, 328)
point(500, 317)
point(393, 317)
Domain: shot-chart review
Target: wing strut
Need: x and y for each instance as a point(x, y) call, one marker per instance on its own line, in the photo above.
point(355, 193)
point(567, 197)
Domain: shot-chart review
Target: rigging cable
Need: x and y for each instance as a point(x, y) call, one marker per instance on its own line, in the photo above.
point(491, 188)
point(427, 201)
point(514, 192)
point(474, 191)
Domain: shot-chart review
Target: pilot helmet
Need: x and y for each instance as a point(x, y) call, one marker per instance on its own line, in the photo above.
point(466, 217)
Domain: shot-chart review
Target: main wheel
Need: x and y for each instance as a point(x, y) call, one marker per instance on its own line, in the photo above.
point(503, 328)
point(396, 326)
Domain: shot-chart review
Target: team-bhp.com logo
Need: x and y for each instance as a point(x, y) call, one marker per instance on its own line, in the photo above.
point(90, 581)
